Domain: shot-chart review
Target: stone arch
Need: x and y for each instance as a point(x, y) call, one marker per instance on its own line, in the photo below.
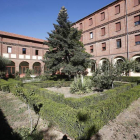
point(103, 61)
point(93, 65)
point(37, 67)
point(136, 57)
point(10, 68)
point(23, 66)
point(118, 59)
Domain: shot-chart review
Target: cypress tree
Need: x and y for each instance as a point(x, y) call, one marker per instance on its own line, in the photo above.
point(66, 52)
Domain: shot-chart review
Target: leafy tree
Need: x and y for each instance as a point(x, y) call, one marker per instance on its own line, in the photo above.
point(3, 63)
point(129, 65)
point(105, 75)
point(66, 52)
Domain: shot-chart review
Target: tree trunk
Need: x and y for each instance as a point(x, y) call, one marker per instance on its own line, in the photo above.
point(82, 80)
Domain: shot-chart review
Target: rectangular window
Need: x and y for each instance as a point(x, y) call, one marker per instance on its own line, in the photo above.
point(36, 52)
point(137, 39)
point(91, 35)
point(23, 50)
point(118, 26)
point(103, 16)
point(81, 26)
point(103, 46)
point(137, 20)
point(119, 44)
point(103, 31)
point(9, 49)
point(117, 9)
point(136, 2)
point(90, 21)
point(91, 49)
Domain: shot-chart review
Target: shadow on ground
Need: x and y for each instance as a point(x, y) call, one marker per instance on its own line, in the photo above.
point(6, 132)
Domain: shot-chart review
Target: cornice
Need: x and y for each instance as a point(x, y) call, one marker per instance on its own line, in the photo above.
point(114, 20)
point(14, 44)
point(113, 37)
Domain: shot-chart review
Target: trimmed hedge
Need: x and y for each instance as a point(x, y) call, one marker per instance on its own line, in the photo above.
point(80, 102)
point(130, 79)
point(83, 122)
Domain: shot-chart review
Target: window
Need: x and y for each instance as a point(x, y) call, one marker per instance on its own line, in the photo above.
point(23, 50)
point(119, 44)
point(103, 31)
point(103, 16)
point(81, 26)
point(137, 39)
point(117, 9)
point(90, 21)
point(36, 52)
point(136, 2)
point(137, 20)
point(91, 35)
point(9, 49)
point(103, 46)
point(118, 26)
point(91, 49)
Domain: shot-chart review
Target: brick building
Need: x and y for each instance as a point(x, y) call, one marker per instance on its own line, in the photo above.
point(112, 32)
point(24, 52)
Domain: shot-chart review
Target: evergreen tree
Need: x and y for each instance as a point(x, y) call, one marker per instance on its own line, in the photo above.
point(66, 52)
point(3, 62)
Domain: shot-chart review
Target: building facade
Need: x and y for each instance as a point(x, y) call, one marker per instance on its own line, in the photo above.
point(24, 52)
point(112, 32)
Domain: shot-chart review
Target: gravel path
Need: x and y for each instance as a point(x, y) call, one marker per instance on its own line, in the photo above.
point(66, 92)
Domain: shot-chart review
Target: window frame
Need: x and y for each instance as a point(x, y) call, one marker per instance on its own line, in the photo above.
point(102, 32)
point(91, 33)
point(116, 27)
point(90, 22)
point(104, 46)
point(138, 42)
point(91, 49)
point(9, 47)
point(120, 43)
point(137, 22)
point(119, 9)
point(23, 50)
point(101, 16)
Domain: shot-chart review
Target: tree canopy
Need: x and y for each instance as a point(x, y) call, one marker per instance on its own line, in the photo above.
point(66, 52)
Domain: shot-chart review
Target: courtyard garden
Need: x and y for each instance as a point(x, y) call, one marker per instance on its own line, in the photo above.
point(77, 105)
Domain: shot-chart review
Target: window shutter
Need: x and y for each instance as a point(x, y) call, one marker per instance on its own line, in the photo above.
point(103, 44)
point(103, 31)
point(117, 9)
point(81, 26)
point(137, 18)
point(137, 38)
point(90, 21)
point(103, 16)
point(136, 2)
point(118, 26)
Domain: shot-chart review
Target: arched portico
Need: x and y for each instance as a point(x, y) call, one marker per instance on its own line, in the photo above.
point(22, 67)
point(37, 67)
point(10, 68)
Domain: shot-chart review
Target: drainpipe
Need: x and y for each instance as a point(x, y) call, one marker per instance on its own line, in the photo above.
point(126, 30)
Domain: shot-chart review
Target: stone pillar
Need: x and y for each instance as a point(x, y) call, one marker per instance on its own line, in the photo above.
point(17, 66)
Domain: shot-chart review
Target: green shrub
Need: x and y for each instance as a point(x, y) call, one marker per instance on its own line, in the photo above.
point(79, 87)
point(92, 112)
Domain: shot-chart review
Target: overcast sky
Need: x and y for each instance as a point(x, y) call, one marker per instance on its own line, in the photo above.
point(35, 18)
